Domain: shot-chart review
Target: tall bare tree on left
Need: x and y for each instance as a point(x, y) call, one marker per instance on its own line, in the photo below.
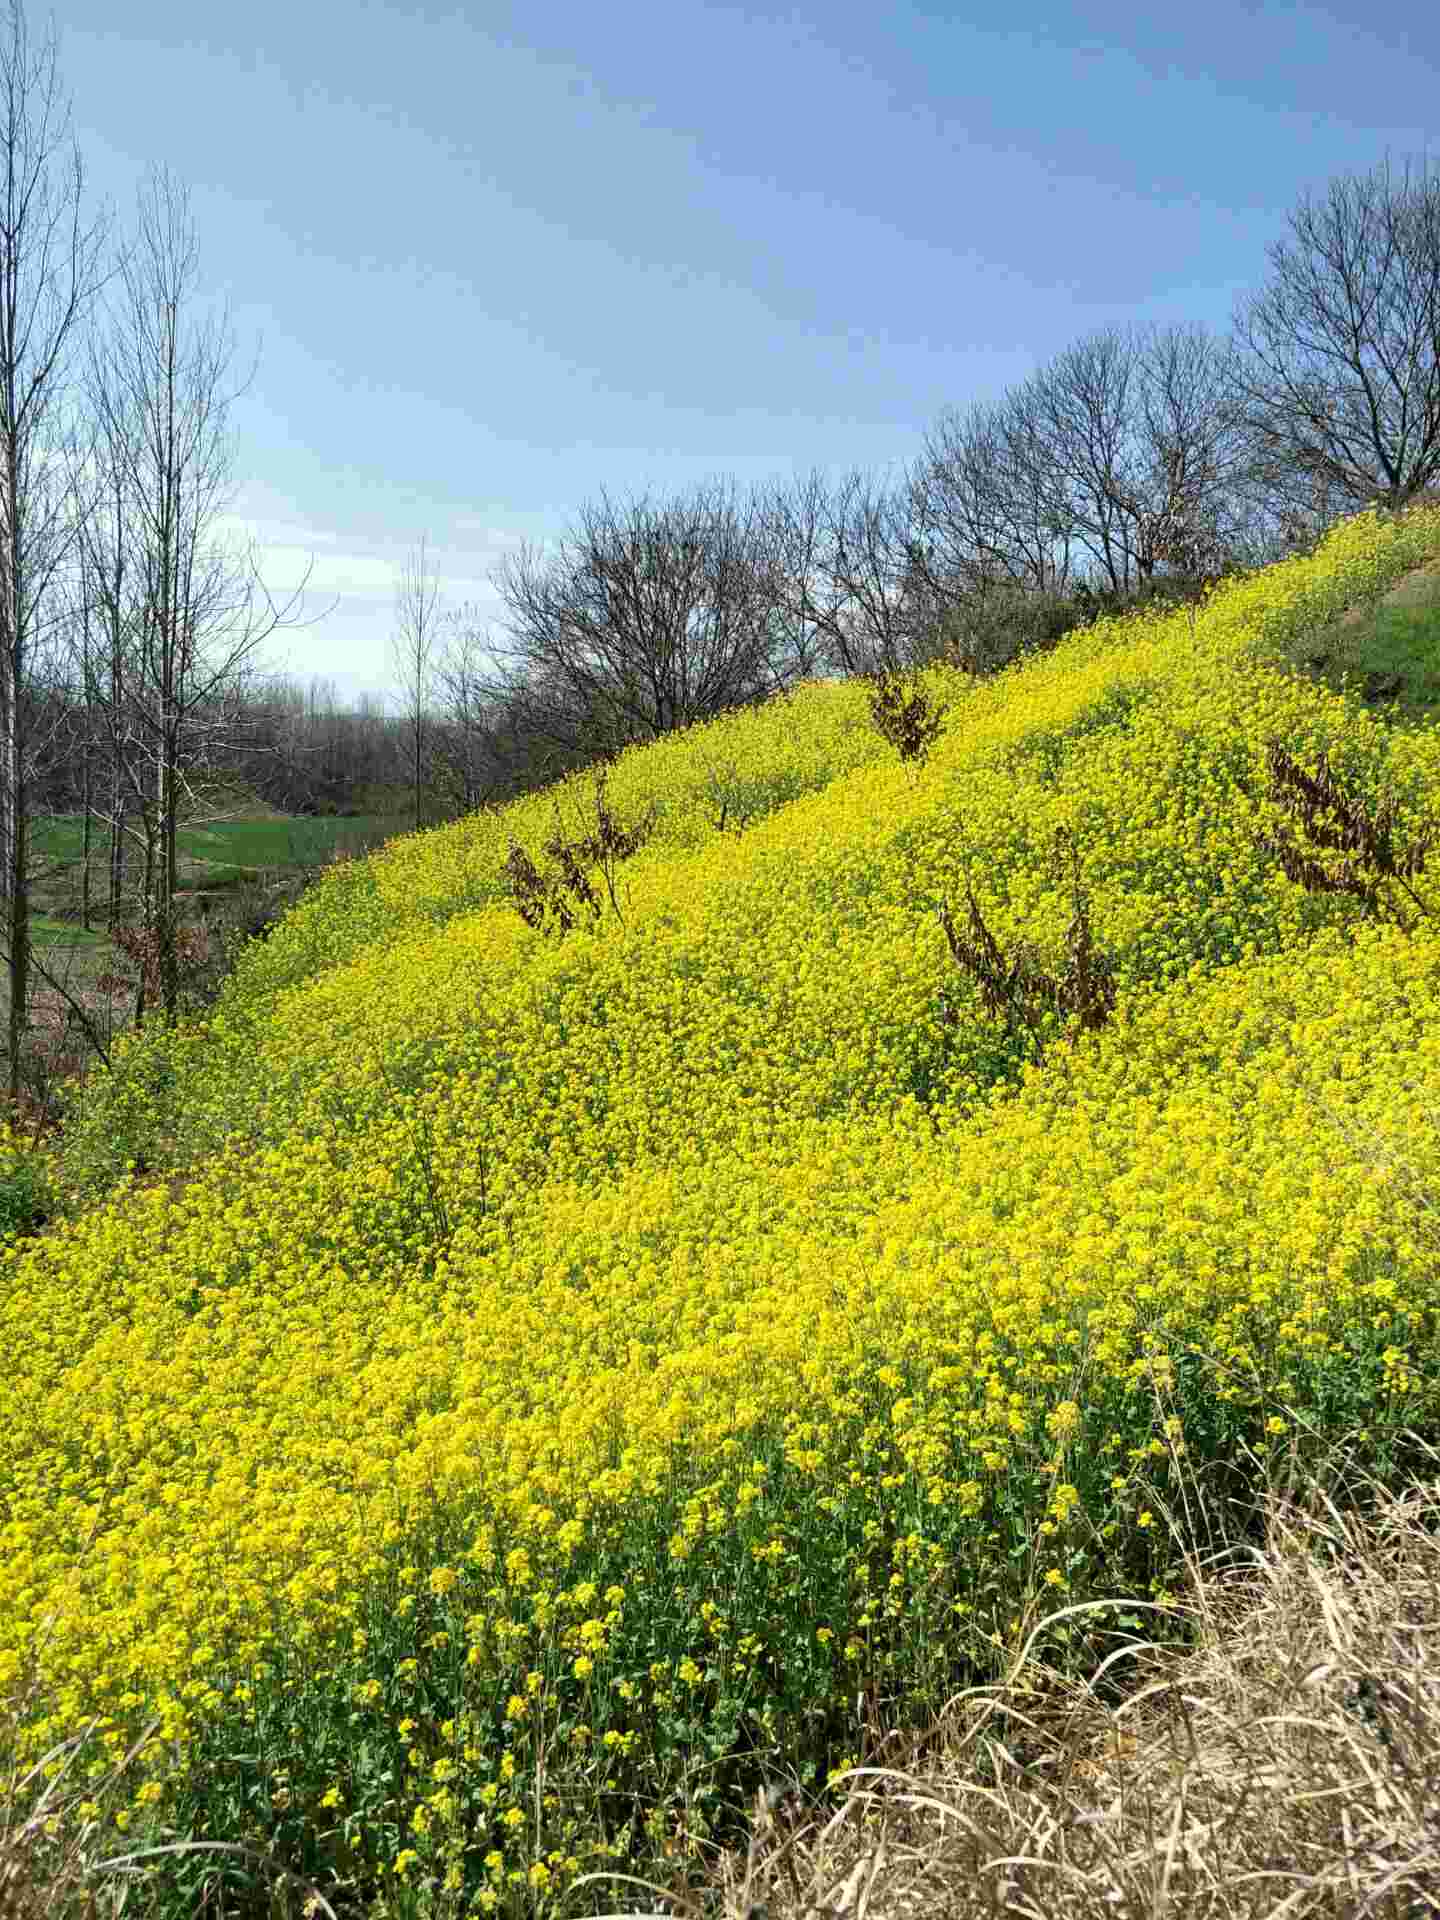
point(50, 270)
point(179, 612)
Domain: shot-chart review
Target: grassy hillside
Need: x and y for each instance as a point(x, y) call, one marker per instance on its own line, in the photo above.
point(500, 1390)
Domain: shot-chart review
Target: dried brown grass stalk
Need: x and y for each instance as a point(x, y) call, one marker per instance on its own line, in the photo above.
point(1287, 1765)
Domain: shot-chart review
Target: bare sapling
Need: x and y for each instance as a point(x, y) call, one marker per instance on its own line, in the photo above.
point(554, 900)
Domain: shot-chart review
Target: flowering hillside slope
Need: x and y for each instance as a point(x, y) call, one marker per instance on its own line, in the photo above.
point(558, 1370)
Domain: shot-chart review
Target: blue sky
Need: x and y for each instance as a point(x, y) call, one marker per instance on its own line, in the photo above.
point(498, 256)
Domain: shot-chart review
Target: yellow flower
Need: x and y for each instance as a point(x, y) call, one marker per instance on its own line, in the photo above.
point(1064, 1420)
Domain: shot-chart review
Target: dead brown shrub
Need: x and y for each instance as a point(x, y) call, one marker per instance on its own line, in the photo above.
point(901, 710)
point(1017, 989)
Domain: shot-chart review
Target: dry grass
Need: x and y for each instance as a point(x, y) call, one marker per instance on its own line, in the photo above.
point(1288, 1763)
point(58, 1858)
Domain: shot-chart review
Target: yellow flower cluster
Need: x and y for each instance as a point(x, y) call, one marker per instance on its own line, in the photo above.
point(578, 1253)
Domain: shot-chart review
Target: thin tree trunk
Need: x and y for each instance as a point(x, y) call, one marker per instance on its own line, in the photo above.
point(169, 875)
point(117, 784)
point(87, 782)
point(14, 879)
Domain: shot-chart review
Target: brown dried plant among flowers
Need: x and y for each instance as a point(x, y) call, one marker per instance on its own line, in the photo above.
point(555, 899)
point(1019, 990)
point(902, 712)
point(142, 947)
point(1340, 823)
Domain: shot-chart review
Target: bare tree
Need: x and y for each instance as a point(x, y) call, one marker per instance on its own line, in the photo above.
point(1339, 368)
point(1194, 500)
point(648, 617)
point(109, 612)
point(981, 509)
point(839, 569)
point(1124, 448)
point(1101, 474)
point(1123, 460)
point(413, 650)
point(49, 273)
point(988, 550)
point(184, 614)
point(471, 720)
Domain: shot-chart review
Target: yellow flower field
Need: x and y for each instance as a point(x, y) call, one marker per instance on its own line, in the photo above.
point(550, 1372)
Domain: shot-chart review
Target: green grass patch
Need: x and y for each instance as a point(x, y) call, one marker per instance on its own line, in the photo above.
point(46, 931)
point(1406, 642)
point(1387, 655)
point(301, 841)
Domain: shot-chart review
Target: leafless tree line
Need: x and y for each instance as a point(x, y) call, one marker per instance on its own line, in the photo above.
point(1136, 461)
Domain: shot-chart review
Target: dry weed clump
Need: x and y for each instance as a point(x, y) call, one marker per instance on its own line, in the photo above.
point(1017, 989)
point(901, 711)
point(1288, 1764)
point(1339, 822)
point(554, 899)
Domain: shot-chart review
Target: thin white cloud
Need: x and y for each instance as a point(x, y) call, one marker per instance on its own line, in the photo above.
point(350, 578)
point(279, 533)
point(500, 539)
point(353, 572)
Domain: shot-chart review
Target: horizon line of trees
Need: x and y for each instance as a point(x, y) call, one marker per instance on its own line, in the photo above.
point(1136, 462)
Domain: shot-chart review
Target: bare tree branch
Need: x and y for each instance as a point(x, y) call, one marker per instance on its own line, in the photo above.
point(648, 617)
point(413, 646)
point(1339, 369)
